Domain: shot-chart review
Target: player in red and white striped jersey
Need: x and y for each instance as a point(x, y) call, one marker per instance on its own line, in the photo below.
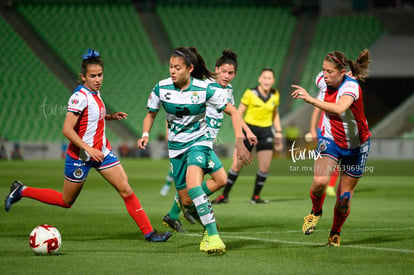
point(84, 126)
point(345, 138)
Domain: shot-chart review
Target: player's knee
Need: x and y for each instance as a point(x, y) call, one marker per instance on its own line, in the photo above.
point(319, 184)
point(344, 200)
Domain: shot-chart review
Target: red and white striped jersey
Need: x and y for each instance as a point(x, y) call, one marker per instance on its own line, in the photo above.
point(91, 123)
point(350, 129)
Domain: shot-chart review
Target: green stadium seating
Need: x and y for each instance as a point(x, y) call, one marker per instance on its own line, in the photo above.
point(26, 85)
point(33, 100)
point(131, 66)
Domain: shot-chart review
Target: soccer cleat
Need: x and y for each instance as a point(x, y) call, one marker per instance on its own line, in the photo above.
point(164, 190)
point(220, 199)
point(309, 225)
point(189, 217)
point(334, 240)
point(214, 245)
point(174, 224)
point(257, 199)
point(154, 236)
point(14, 195)
point(330, 191)
point(204, 241)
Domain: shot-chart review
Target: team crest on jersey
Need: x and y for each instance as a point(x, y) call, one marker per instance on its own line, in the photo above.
point(78, 173)
point(194, 97)
point(211, 164)
point(322, 146)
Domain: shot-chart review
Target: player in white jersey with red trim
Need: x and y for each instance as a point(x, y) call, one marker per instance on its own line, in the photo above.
point(315, 130)
point(345, 137)
point(84, 126)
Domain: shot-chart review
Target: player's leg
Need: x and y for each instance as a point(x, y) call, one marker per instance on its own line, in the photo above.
point(264, 158)
point(172, 218)
point(322, 172)
point(204, 209)
point(232, 176)
point(330, 191)
point(342, 207)
point(167, 185)
point(117, 177)
point(49, 196)
point(75, 173)
point(353, 166)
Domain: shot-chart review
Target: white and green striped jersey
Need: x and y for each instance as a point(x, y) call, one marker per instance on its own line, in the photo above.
point(186, 112)
point(215, 117)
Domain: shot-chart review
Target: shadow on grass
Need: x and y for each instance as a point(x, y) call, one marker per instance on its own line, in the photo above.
point(378, 240)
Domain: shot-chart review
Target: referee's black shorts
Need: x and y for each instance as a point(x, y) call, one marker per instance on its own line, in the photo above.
point(264, 138)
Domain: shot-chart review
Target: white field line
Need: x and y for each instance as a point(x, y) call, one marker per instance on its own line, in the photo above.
point(238, 235)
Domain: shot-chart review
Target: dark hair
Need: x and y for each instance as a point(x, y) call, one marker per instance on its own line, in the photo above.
point(228, 57)
point(359, 68)
point(90, 57)
point(268, 70)
point(192, 57)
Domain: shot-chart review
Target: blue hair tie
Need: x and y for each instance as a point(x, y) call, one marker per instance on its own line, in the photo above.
point(90, 53)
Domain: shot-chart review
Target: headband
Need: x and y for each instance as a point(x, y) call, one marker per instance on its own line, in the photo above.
point(183, 55)
point(336, 59)
point(90, 53)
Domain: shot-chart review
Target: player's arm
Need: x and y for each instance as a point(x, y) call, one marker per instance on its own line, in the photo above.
point(338, 108)
point(116, 116)
point(314, 121)
point(146, 128)
point(70, 133)
point(249, 134)
point(236, 119)
point(278, 127)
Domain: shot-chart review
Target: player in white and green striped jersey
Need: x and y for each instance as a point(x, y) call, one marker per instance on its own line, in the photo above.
point(185, 98)
point(225, 71)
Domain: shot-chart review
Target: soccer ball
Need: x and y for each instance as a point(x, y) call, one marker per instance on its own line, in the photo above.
point(308, 137)
point(45, 239)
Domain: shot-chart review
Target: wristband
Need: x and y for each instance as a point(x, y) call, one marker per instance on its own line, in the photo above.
point(279, 131)
point(145, 134)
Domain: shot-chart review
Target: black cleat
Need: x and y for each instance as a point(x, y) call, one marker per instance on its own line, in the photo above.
point(174, 224)
point(14, 195)
point(154, 236)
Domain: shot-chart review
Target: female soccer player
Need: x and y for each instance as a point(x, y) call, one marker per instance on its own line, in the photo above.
point(345, 137)
point(84, 126)
point(315, 131)
point(184, 97)
point(259, 106)
point(225, 71)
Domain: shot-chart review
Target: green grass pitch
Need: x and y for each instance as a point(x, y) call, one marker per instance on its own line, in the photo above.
point(99, 237)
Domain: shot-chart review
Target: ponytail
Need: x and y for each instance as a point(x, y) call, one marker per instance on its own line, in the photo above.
point(192, 57)
point(228, 57)
point(359, 68)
